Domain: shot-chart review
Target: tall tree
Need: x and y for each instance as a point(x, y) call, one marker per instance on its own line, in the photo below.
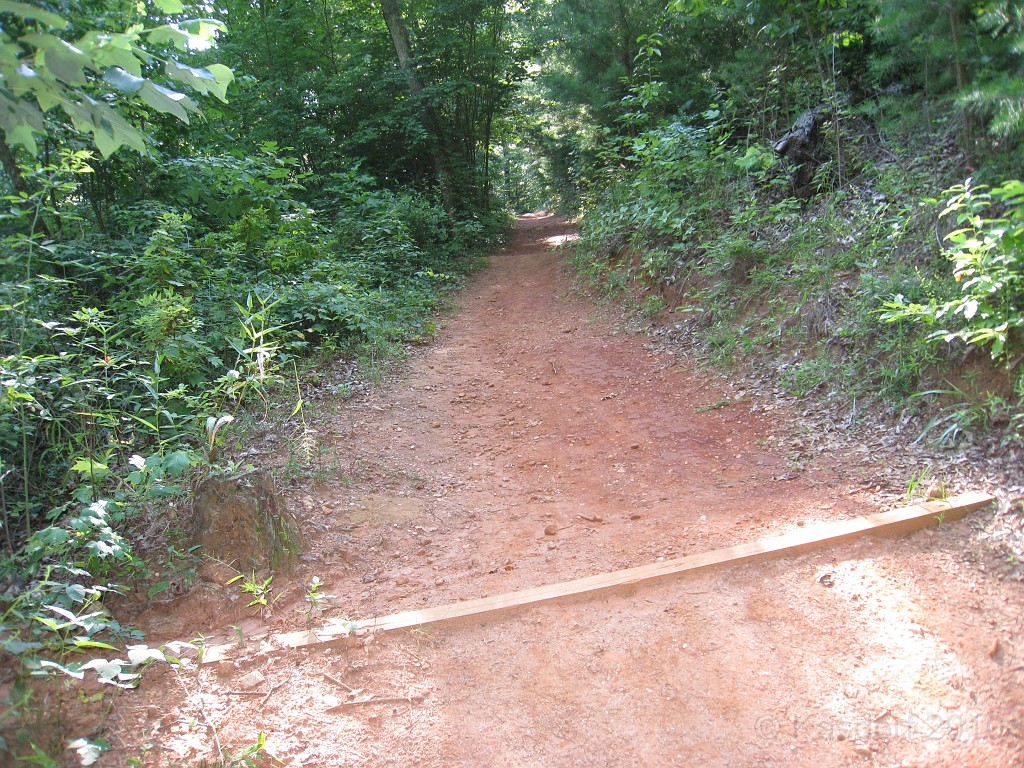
point(403, 50)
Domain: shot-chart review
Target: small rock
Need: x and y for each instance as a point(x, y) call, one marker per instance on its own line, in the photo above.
point(438, 582)
point(635, 516)
point(252, 681)
point(862, 749)
point(368, 577)
point(401, 581)
point(225, 669)
point(436, 425)
point(217, 573)
point(827, 580)
point(550, 529)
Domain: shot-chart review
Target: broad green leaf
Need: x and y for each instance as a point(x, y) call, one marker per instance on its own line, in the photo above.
point(51, 537)
point(213, 79)
point(167, 101)
point(63, 60)
point(87, 466)
point(17, 647)
point(170, 7)
point(123, 81)
point(106, 670)
point(26, 11)
point(76, 592)
point(19, 120)
point(169, 34)
point(177, 463)
point(72, 670)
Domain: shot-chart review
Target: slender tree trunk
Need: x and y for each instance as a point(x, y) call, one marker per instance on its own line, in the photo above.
point(18, 181)
point(961, 80)
point(403, 50)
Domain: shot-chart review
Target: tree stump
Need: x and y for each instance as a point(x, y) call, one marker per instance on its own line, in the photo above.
point(242, 520)
point(800, 145)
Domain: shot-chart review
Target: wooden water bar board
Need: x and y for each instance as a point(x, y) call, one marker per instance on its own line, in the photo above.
point(897, 521)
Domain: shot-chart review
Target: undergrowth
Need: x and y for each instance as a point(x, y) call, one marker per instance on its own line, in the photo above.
point(126, 356)
point(832, 294)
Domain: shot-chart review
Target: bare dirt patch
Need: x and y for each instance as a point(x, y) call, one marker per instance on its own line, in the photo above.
point(537, 442)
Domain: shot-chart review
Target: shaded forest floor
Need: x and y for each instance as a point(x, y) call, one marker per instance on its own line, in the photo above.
point(536, 441)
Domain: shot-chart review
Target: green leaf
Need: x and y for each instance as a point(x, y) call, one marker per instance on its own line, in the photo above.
point(156, 589)
point(169, 34)
point(167, 101)
point(76, 592)
point(84, 642)
point(213, 79)
point(170, 7)
point(177, 463)
point(26, 11)
point(105, 669)
point(59, 57)
point(40, 758)
point(123, 81)
point(17, 647)
point(71, 670)
point(90, 467)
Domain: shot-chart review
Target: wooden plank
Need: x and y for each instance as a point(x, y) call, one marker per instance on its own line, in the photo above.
point(895, 522)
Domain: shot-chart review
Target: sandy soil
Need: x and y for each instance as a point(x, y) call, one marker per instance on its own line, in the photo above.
point(533, 413)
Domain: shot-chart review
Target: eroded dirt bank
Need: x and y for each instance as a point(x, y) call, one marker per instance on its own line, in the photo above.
point(534, 443)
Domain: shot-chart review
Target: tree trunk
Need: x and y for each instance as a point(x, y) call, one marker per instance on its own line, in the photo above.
point(21, 186)
point(961, 81)
point(403, 50)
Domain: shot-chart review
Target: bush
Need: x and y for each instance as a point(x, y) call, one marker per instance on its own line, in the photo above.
point(988, 267)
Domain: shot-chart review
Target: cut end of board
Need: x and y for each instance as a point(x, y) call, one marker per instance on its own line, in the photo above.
point(894, 522)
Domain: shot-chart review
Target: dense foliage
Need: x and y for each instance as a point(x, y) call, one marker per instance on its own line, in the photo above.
point(691, 203)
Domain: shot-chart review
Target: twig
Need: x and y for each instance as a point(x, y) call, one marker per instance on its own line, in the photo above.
point(271, 692)
point(415, 699)
point(244, 693)
point(337, 682)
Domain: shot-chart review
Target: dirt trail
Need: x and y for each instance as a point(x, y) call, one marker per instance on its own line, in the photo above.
point(531, 413)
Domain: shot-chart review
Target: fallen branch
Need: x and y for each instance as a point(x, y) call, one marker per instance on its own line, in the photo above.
point(271, 692)
point(337, 682)
point(414, 699)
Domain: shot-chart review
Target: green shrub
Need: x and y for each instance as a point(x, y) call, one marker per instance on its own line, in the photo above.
point(988, 266)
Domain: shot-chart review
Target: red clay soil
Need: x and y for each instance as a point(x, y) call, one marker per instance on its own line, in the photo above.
point(534, 442)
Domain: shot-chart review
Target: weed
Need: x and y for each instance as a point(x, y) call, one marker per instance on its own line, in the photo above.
point(917, 479)
point(316, 599)
point(259, 589)
point(652, 305)
point(971, 415)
